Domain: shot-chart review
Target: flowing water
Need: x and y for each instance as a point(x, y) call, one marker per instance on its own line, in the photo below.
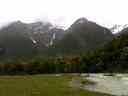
point(116, 85)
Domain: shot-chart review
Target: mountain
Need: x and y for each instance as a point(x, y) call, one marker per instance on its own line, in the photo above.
point(121, 32)
point(77, 23)
point(1, 50)
point(2, 53)
point(43, 40)
point(117, 28)
point(83, 36)
point(112, 57)
point(28, 41)
point(37, 32)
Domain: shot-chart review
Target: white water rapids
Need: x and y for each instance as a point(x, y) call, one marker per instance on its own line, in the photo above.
point(115, 85)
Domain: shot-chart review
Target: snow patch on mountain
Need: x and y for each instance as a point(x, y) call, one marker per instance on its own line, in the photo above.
point(117, 28)
point(80, 21)
point(41, 27)
point(50, 28)
point(36, 28)
point(61, 27)
point(41, 31)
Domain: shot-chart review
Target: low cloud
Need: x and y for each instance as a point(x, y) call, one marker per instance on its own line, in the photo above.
point(63, 12)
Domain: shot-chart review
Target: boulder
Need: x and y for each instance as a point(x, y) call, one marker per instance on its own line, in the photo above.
point(109, 74)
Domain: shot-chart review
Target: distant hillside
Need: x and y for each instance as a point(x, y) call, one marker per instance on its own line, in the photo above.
point(83, 36)
point(17, 47)
point(121, 32)
point(38, 32)
point(28, 41)
point(43, 40)
point(115, 29)
point(2, 54)
point(112, 57)
point(2, 51)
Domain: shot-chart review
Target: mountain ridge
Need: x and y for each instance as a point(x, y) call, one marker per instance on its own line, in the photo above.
point(81, 39)
point(48, 41)
point(115, 29)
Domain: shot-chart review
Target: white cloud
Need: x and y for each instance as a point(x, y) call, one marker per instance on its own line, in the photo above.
point(64, 12)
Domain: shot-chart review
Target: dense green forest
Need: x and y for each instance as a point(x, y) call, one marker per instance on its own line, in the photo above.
point(112, 57)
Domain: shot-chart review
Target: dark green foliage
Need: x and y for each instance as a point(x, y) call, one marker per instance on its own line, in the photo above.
point(83, 36)
point(43, 66)
point(2, 51)
point(80, 39)
point(112, 57)
point(18, 47)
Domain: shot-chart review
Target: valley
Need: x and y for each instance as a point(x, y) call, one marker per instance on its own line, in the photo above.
point(63, 48)
point(43, 40)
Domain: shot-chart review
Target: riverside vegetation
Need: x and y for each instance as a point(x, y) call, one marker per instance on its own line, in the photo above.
point(112, 57)
point(41, 85)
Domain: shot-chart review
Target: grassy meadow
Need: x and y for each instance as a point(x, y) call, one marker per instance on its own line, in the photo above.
point(41, 85)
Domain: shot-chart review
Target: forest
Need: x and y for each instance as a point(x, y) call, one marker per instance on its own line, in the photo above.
point(112, 57)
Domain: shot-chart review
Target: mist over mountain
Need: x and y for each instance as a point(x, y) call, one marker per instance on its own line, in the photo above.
point(115, 29)
point(122, 31)
point(28, 41)
point(33, 31)
point(44, 40)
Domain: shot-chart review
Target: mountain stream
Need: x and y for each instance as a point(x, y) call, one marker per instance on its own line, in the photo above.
point(115, 85)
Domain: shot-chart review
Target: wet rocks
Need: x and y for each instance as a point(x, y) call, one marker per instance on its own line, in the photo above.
point(80, 81)
point(109, 74)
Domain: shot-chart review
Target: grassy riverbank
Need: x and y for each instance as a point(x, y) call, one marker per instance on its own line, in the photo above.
point(41, 85)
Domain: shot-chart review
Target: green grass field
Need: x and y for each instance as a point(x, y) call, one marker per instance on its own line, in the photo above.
point(41, 85)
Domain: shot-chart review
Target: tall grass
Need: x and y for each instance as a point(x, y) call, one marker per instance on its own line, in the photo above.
point(40, 85)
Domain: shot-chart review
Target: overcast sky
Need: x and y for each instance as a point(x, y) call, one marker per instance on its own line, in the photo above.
point(64, 12)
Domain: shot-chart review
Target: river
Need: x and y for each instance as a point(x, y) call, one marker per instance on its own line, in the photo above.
point(115, 85)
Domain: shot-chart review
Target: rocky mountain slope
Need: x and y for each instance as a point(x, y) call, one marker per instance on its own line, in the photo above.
point(21, 40)
point(43, 40)
point(83, 36)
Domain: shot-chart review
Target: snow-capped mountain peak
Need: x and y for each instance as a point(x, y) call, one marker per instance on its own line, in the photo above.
point(117, 28)
point(81, 20)
point(37, 32)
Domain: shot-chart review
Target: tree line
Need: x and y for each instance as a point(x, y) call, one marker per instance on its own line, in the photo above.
point(112, 57)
